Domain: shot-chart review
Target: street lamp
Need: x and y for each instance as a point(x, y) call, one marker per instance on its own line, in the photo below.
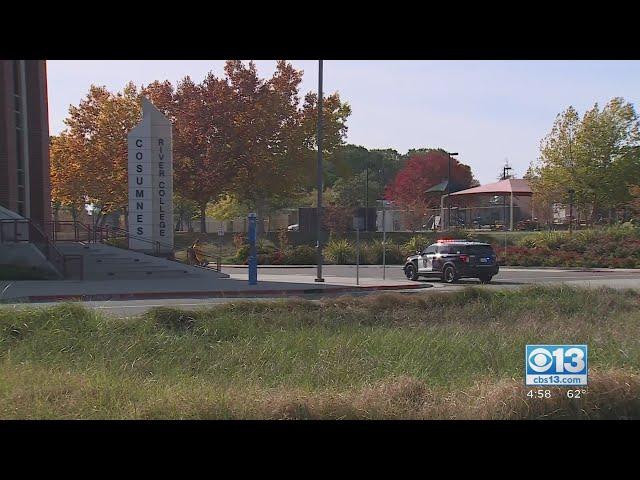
point(505, 169)
point(319, 179)
point(385, 203)
point(451, 154)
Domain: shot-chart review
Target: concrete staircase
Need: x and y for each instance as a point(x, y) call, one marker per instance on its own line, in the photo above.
point(104, 262)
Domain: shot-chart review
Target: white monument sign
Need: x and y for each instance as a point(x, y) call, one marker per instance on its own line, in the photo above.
point(151, 183)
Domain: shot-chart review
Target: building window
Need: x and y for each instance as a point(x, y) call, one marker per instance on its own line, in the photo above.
point(21, 160)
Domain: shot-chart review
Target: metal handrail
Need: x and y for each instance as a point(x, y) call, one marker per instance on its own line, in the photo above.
point(100, 234)
point(108, 232)
point(36, 237)
point(77, 228)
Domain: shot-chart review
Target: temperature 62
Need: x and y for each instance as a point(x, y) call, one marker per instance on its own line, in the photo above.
point(576, 393)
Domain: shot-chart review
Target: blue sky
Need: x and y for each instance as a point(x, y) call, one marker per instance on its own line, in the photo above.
point(488, 111)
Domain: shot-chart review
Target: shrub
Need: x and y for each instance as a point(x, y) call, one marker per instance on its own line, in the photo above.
point(277, 258)
point(242, 253)
point(239, 240)
point(263, 259)
point(372, 253)
point(340, 252)
point(417, 242)
point(301, 255)
point(265, 246)
point(394, 254)
point(622, 231)
point(543, 240)
point(283, 240)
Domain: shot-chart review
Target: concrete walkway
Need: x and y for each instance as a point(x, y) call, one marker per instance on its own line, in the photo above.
point(235, 286)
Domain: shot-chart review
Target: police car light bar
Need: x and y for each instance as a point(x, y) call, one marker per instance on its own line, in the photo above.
point(450, 240)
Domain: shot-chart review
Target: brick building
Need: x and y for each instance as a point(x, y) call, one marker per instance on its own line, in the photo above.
point(24, 140)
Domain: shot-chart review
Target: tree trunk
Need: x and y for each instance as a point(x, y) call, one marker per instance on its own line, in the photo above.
point(203, 217)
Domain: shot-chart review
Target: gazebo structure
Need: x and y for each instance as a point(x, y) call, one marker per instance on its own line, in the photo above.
point(512, 186)
point(442, 189)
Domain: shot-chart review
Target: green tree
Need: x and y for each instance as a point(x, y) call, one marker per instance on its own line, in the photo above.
point(351, 191)
point(184, 210)
point(348, 160)
point(227, 208)
point(596, 156)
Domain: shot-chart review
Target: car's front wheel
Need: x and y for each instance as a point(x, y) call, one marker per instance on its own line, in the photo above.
point(411, 272)
point(449, 274)
point(486, 278)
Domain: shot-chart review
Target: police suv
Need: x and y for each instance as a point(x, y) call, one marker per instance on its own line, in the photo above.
point(453, 259)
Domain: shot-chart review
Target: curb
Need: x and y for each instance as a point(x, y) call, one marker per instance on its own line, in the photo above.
point(213, 294)
point(307, 266)
point(573, 269)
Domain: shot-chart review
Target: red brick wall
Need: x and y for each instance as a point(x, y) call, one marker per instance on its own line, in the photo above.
point(38, 138)
point(38, 127)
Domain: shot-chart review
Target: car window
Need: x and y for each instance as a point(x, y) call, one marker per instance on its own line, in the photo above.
point(480, 250)
point(453, 249)
point(429, 250)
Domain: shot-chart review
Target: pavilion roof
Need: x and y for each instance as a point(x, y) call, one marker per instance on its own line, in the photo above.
point(517, 186)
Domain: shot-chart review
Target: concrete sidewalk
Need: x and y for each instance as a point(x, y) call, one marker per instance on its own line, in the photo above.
point(235, 286)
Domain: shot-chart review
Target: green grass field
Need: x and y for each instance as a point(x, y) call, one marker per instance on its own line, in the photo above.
point(387, 356)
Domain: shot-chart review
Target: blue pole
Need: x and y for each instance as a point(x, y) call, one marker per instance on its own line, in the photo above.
point(253, 258)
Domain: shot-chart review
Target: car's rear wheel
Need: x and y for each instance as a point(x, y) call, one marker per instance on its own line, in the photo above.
point(449, 274)
point(486, 278)
point(411, 272)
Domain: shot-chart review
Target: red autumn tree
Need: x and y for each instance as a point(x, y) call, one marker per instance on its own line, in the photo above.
point(202, 137)
point(423, 170)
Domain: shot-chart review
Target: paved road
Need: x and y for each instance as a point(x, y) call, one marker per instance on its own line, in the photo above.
point(506, 275)
point(507, 278)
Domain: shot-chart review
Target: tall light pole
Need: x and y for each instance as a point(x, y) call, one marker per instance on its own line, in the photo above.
point(319, 179)
point(384, 226)
point(366, 195)
point(451, 154)
point(505, 169)
point(366, 186)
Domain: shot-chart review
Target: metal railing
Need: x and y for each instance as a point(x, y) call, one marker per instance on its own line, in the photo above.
point(74, 231)
point(69, 231)
point(24, 230)
point(109, 233)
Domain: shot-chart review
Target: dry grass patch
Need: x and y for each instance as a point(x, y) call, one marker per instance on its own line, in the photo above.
point(384, 356)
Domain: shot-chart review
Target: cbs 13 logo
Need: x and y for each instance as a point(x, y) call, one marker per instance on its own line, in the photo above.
point(552, 359)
